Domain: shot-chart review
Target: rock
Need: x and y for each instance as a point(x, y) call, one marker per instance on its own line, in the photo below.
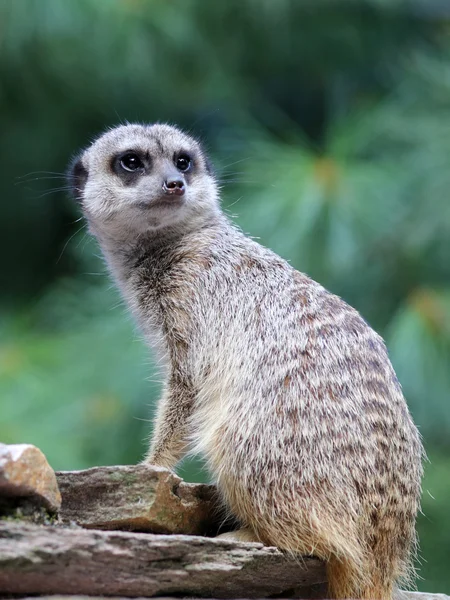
point(26, 477)
point(58, 560)
point(138, 498)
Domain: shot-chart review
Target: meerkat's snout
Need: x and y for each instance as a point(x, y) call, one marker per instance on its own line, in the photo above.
point(174, 185)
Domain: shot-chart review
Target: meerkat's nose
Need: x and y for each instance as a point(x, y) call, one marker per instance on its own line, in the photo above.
point(174, 186)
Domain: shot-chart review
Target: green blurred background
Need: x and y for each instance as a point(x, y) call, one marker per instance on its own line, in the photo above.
point(329, 124)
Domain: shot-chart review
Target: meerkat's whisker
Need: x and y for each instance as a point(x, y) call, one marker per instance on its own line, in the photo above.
point(236, 162)
point(26, 181)
point(68, 241)
point(53, 191)
point(41, 173)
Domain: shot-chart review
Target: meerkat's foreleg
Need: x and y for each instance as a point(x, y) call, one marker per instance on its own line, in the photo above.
point(170, 434)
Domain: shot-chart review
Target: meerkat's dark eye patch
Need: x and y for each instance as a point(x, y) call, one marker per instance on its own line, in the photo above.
point(131, 162)
point(183, 162)
point(130, 165)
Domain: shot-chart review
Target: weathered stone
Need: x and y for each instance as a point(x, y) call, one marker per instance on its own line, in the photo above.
point(138, 498)
point(26, 476)
point(58, 560)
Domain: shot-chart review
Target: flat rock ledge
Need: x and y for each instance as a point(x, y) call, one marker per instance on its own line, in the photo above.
point(55, 560)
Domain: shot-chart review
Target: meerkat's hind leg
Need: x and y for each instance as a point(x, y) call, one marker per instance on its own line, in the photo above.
point(344, 581)
point(245, 534)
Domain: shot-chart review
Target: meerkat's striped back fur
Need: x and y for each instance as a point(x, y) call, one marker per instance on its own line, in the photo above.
point(283, 387)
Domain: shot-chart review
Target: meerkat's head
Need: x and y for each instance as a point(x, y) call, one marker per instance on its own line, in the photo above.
point(143, 178)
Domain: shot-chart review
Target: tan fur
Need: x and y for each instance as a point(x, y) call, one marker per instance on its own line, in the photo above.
point(282, 386)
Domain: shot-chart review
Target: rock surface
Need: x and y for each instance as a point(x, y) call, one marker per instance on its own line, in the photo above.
point(26, 474)
point(138, 498)
point(58, 560)
point(69, 562)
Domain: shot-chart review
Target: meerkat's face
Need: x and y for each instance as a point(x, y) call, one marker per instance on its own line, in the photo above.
point(141, 178)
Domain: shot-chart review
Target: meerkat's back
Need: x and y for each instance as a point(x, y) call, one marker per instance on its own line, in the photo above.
point(284, 387)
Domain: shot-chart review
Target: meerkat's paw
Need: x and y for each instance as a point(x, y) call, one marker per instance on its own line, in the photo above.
point(240, 535)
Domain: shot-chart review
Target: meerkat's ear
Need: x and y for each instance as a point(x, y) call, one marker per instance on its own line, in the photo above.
point(77, 175)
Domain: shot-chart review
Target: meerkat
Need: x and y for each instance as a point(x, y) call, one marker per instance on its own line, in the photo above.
point(281, 385)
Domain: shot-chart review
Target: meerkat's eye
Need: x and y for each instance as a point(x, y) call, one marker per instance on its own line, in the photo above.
point(183, 162)
point(131, 162)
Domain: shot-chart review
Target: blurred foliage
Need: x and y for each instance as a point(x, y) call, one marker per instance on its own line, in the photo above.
point(329, 123)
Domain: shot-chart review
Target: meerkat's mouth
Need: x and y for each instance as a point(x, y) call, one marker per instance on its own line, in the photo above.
point(165, 203)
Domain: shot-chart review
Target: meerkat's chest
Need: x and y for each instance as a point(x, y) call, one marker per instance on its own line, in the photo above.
point(144, 306)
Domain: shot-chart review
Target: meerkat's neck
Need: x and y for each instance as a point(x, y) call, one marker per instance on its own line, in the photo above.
point(124, 249)
point(140, 265)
